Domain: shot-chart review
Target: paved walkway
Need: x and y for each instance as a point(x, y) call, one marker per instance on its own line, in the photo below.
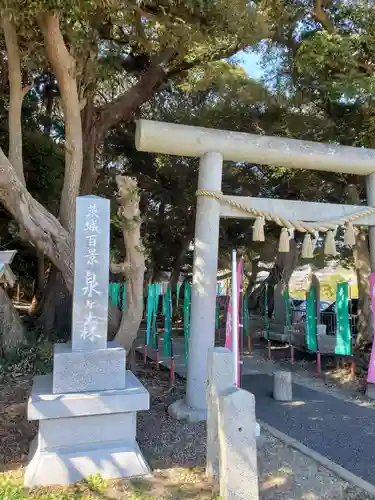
point(338, 429)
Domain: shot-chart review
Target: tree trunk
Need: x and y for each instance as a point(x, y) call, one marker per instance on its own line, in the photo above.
point(43, 229)
point(12, 332)
point(362, 265)
point(281, 274)
point(38, 282)
point(134, 265)
point(176, 267)
point(16, 95)
point(64, 67)
point(54, 314)
point(89, 175)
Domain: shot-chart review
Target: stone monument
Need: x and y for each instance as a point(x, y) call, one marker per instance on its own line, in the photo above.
point(87, 407)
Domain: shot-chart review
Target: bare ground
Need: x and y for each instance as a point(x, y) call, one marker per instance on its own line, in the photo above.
point(175, 451)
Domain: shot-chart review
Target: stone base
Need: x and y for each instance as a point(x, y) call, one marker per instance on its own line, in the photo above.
point(321, 329)
point(83, 434)
point(81, 371)
point(326, 343)
point(370, 390)
point(63, 467)
point(298, 338)
point(278, 337)
point(181, 411)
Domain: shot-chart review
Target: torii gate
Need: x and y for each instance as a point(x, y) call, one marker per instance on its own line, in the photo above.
point(213, 147)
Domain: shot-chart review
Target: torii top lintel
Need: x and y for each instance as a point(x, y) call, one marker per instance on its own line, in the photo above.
point(183, 140)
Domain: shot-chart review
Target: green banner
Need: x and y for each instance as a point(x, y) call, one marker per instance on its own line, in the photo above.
point(156, 295)
point(343, 346)
point(114, 293)
point(149, 311)
point(310, 326)
point(167, 313)
point(124, 297)
point(287, 308)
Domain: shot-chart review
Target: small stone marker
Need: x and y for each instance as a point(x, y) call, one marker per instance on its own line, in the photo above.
point(238, 448)
point(91, 274)
point(282, 386)
point(220, 378)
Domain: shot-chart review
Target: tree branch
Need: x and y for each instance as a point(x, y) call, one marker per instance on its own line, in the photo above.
point(125, 105)
point(64, 67)
point(16, 95)
point(320, 14)
point(43, 228)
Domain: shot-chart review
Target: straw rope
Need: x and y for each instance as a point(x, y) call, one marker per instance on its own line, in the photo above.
point(298, 225)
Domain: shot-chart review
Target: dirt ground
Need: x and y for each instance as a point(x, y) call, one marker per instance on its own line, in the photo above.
point(175, 451)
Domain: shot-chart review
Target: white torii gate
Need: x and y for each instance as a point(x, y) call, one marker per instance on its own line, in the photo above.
point(214, 146)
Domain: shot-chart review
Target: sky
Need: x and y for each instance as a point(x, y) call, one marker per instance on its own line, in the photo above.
point(251, 64)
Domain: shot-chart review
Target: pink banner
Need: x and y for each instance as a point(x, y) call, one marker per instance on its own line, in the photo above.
point(371, 367)
point(228, 327)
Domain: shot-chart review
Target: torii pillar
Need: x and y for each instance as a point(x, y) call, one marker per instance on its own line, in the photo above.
point(213, 147)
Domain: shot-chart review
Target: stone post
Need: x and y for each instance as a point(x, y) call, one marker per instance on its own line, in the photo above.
point(282, 386)
point(238, 449)
point(87, 364)
point(220, 378)
point(203, 300)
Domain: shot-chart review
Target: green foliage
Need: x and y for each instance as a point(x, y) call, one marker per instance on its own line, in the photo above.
point(97, 483)
point(10, 490)
point(34, 358)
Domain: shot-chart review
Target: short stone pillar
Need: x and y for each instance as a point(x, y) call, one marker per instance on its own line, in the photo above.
point(282, 386)
point(238, 447)
point(220, 378)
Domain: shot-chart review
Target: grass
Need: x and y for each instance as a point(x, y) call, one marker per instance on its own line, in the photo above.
point(164, 485)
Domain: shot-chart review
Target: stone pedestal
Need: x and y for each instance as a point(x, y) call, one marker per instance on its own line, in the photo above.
point(80, 371)
point(83, 434)
point(282, 386)
point(326, 343)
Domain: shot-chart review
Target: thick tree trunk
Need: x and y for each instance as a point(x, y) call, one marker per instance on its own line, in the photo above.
point(89, 175)
point(281, 273)
point(16, 95)
point(39, 282)
point(54, 313)
point(64, 67)
point(43, 229)
point(134, 265)
point(12, 332)
point(362, 265)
